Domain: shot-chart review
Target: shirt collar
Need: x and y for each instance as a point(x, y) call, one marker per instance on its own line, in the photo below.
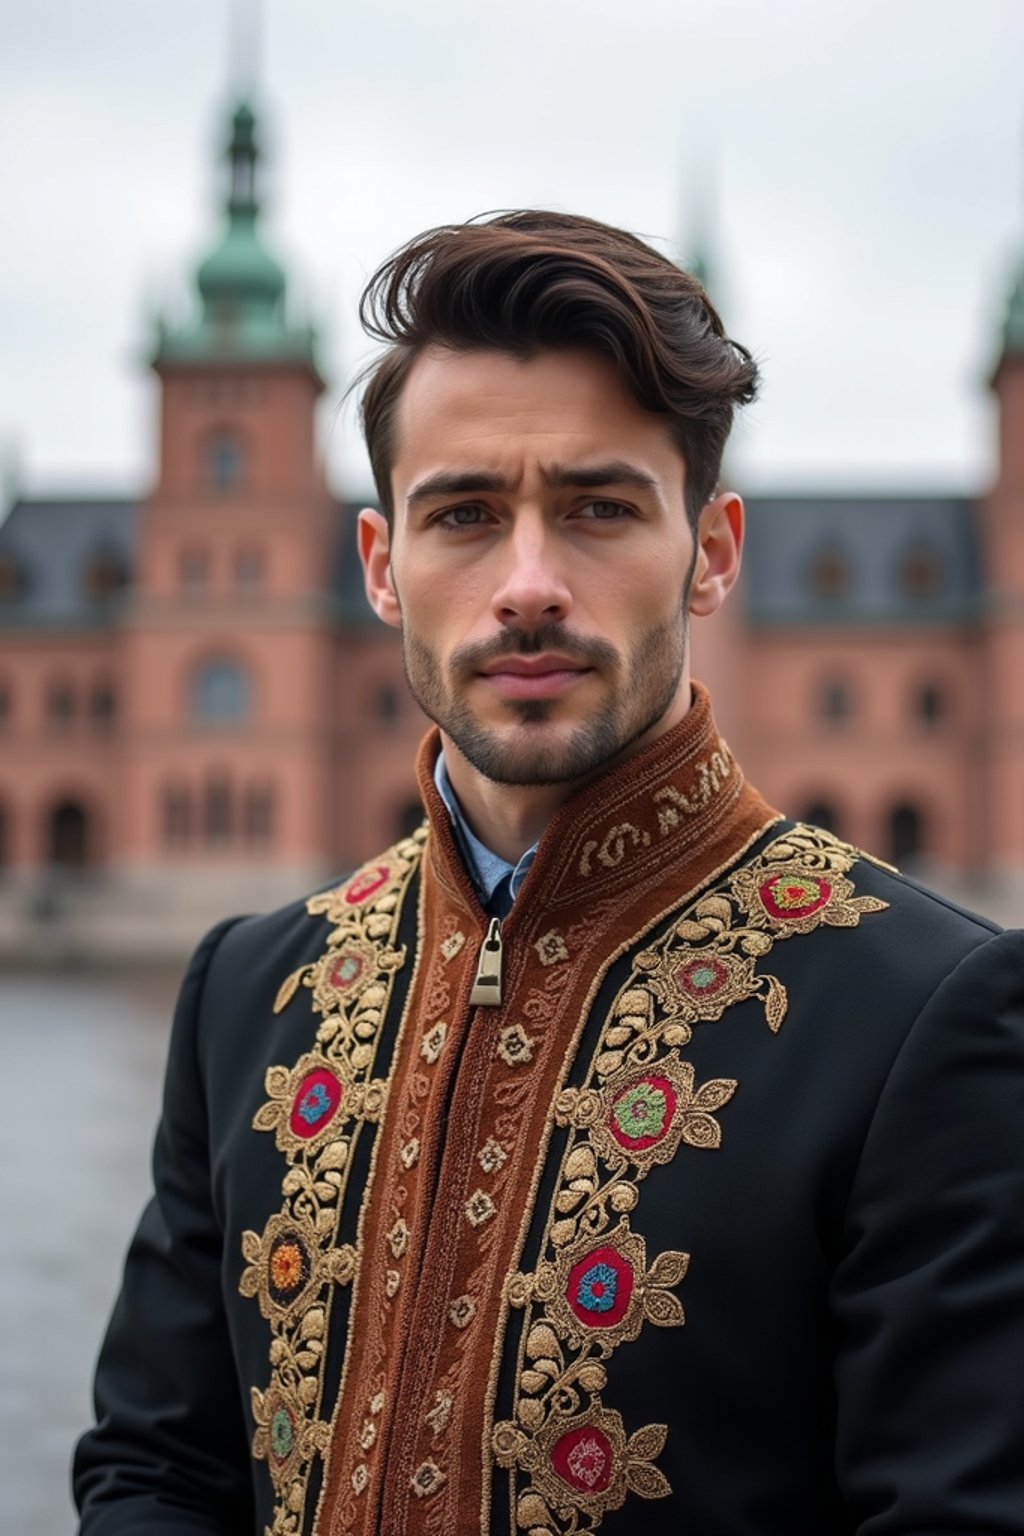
point(486, 869)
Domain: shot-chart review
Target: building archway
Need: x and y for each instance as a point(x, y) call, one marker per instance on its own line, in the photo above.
point(70, 836)
point(906, 831)
point(822, 812)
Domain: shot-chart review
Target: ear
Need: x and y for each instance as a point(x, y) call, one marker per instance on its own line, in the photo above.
point(375, 552)
point(719, 550)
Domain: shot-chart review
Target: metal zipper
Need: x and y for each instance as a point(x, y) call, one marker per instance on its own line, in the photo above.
point(486, 991)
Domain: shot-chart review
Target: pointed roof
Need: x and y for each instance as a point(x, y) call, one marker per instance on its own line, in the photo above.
point(241, 287)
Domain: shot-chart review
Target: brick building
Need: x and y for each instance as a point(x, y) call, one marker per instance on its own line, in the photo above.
point(199, 713)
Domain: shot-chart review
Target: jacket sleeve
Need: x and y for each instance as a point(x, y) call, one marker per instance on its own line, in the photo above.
point(168, 1454)
point(928, 1296)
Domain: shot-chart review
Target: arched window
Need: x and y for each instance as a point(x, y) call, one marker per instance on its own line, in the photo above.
point(103, 705)
point(830, 572)
point(217, 810)
point(906, 833)
point(249, 568)
point(70, 836)
point(258, 815)
point(60, 703)
point(931, 705)
point(835, 700)
point(409, 818)
point(823, 813)
point(921, 571)
point(221, 692)
point(225, 460)
point(193, 569)
point(176, 815)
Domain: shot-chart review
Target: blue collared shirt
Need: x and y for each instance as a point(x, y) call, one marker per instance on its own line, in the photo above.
point(496, 880)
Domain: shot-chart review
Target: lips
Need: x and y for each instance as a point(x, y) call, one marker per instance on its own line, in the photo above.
point(532, 677)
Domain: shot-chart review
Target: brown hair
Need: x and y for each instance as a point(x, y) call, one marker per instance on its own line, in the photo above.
point(527, 282)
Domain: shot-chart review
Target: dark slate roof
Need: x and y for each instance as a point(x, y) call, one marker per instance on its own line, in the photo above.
point(872, 537)
point(51, 545)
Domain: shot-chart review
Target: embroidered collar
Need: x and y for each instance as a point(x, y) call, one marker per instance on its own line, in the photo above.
point(681, 800)
point(488, 870)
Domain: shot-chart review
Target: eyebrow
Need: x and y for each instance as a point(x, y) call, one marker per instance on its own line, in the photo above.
point(557, 477)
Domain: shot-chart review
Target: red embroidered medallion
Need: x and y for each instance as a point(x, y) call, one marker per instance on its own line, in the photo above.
point(600, 1287)
point(367, 884)
point(583, 1458)
point(642, 1112)
point(701, 977)
point(794, 896)
point(315, 1104)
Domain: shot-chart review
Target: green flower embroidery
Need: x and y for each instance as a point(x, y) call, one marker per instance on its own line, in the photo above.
point(641, 1111)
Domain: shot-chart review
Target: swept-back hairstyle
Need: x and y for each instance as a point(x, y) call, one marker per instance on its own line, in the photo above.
point(527, 282)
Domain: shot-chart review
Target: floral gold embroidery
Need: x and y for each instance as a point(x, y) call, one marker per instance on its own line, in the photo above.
point(581, 1462)
point(410, 1152)
point(491, 1155)
point(451, 946)
point(551, 948)
point(427, 1479)
point(514, 1046)
point(462, 1311)
point(433, 1042)
point(438, 1416)
point(479, 1208)
point(315, 1111)
point(593, 1289)
point(398, 1237)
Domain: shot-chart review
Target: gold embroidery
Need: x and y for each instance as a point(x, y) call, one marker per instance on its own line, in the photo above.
point(315, 1111)
point(479, 1208)
point(452, 944)
point(592, 1289)
point(410, 1152)
point(551, 948)
point(433, 1042)
point(514, 1046)
point(427, 1479)
point(398, 1237)
point(462, 1311)
point(491, 1155)
point(581, 1462)
point(438, 1416)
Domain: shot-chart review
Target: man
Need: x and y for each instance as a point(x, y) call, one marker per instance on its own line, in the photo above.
point(612, 1153)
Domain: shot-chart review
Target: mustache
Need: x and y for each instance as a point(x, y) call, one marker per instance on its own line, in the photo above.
point(532, 642)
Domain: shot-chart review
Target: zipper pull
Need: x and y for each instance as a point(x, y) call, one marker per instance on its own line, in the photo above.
point(486, 991)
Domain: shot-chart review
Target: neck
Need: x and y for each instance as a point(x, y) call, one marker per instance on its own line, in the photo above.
point(510, 818)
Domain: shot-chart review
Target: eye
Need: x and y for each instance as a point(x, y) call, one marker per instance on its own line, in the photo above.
point(469, 515)
point(604, 511)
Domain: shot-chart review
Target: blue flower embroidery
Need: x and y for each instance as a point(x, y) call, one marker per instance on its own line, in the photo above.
point(314, 1104)
point(597, 1288)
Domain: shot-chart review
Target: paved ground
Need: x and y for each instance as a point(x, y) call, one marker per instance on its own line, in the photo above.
point(80, 1065)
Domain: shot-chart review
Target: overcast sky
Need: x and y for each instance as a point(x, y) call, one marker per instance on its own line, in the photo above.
point(862, 162)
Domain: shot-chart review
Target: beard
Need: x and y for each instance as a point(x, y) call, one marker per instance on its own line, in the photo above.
point(641, 687)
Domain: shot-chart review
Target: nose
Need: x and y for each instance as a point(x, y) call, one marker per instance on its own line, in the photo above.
point(532, 588)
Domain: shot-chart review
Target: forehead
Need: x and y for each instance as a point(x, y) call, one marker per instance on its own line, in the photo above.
point(494, 407)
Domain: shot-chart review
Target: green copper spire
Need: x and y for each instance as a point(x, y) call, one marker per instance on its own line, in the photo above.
point(1011, 340)
point(241, 286)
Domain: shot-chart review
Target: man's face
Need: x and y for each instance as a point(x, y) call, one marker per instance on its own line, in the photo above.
point(540, 558)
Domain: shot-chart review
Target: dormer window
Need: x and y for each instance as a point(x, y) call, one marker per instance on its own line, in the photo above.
point(921, 571)
point(105, 576)
point(830, 575)
point(12, 579)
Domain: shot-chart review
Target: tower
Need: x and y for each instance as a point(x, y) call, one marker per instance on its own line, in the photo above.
point(228, 650)
point(1003, 530)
